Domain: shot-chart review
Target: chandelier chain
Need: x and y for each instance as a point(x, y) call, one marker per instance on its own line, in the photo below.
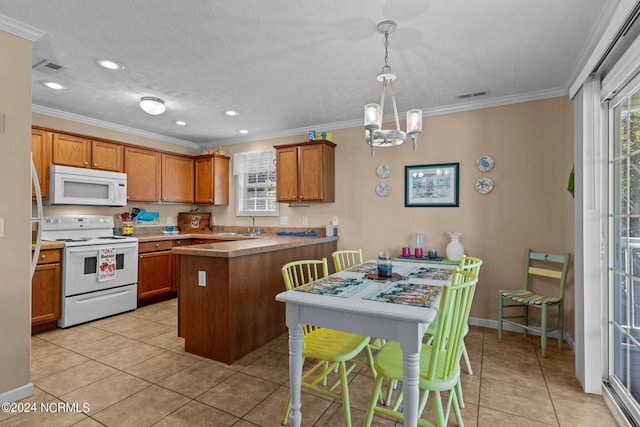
point(386, 67)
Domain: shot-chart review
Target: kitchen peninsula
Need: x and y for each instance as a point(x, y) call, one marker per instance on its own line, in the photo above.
point(227, 290)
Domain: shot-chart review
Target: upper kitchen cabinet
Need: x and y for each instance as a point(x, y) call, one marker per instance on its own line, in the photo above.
point(41, 154)
point(305, 172)
point(212, 180)
point(80, 152)
point(177, 179)
point(143, 174)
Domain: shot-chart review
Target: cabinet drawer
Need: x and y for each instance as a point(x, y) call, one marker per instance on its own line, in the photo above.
point(49, 256)
point(161, 245)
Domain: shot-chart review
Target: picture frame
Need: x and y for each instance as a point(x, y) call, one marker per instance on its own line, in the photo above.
point(436, 185)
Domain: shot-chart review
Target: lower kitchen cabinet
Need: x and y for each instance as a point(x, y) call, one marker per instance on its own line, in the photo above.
point(155, 271)
point(46, 290)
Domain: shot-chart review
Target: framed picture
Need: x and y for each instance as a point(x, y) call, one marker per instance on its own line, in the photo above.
point(432, 185)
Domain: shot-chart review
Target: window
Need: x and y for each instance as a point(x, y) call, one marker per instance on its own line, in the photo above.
point(255, 174)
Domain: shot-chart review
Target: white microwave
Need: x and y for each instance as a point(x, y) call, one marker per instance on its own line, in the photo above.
point(79, 186)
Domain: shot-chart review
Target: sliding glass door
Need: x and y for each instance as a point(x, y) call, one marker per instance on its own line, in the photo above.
point(624, 246)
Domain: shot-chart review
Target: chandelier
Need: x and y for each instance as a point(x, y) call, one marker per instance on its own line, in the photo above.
point(374, 113)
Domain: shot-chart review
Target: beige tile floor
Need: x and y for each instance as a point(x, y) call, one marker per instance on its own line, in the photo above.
point(132, 370)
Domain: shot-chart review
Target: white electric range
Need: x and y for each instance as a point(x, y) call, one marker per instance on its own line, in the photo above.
point(99, 269)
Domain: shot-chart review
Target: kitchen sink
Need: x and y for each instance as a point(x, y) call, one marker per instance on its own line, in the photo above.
point(227, 234)
point(252, 234)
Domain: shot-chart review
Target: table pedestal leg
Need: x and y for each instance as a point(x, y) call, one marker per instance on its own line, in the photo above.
point(410, 374)
point(295, 373)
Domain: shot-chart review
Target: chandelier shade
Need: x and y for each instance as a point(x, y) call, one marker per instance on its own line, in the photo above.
point(374, 113)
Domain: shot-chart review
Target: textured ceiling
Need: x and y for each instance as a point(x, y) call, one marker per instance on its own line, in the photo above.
point(292, 65)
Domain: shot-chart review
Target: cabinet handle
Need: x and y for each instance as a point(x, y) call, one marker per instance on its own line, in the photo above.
point(95, 165)
point(43, 256)
point(157, 244)
point(85, 163)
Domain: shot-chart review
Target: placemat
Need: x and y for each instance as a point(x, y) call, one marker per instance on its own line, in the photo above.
point(366, 267)
point(335, 286)
point(432, 273)
point(406, 293)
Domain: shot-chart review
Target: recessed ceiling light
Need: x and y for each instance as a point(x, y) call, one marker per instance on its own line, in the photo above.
point(231, 113)
point(243, 131)
point(180, 122)
point(53, 85)
point(111, 65)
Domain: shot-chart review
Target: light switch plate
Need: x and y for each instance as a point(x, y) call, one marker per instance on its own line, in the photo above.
point(284, 220)
point(305, 220)
point(334, 220)
point(1, 227)
point(202, 278)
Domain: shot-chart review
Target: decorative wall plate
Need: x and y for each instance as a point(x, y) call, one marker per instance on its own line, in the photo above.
point(484, 163)
point(484, 185)
point(383, 170)
point(382, 189)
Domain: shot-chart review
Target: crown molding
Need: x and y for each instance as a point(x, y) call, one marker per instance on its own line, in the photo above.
point(436, 111)
point(21, 29)
point(108, 125)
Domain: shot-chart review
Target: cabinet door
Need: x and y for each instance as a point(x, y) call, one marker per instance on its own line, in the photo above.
point(143, 174)
point(107, 156)
point(70, 150)
point(41, 153)
point(155, 274)
point(310, 173)
point(177, 179)
point(46, 288)
point(212, 180)
point(176, 264)
point(287, 174)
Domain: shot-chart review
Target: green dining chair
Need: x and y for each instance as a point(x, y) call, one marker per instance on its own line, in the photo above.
point(439, 361)
point(330, 348)
point(346, 258)
point(539, 267)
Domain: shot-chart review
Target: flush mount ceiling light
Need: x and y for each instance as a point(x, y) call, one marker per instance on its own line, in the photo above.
point(53, 85)
point(110, 65)
point(152, 105)
point(374, 113)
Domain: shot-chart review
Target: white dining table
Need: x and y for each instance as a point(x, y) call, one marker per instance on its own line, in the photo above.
point(360, 311)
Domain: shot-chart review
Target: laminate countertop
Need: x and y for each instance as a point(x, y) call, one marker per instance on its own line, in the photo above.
point(237, 246)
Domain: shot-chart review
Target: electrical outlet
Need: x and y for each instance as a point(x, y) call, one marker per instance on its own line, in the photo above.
point(202, 278)
point(284, 220)
point(334, 221)
point(169, 220)
point(305, 220)
point(213, 220)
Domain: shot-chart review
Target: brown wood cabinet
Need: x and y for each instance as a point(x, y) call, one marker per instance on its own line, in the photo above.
point(212, 180)
point(46, 288)
point(305, 172)
point(143, 174)
point(155, 269)
point(80, 152)
point(177, 179)
point(41, 154)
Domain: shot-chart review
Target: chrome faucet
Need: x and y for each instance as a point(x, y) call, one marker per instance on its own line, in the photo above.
point(253, 224)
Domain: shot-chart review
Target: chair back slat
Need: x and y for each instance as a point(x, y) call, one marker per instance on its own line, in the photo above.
point(346, 258)
point(299, 273)
point(470, 264)
point(546, 257)
point(453, 314)
point(556, 274)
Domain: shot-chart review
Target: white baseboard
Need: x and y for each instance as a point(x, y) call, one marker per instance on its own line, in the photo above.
point(17, 394)
point(493, 324)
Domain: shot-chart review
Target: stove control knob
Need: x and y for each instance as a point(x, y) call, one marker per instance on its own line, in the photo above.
point(47, 221)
